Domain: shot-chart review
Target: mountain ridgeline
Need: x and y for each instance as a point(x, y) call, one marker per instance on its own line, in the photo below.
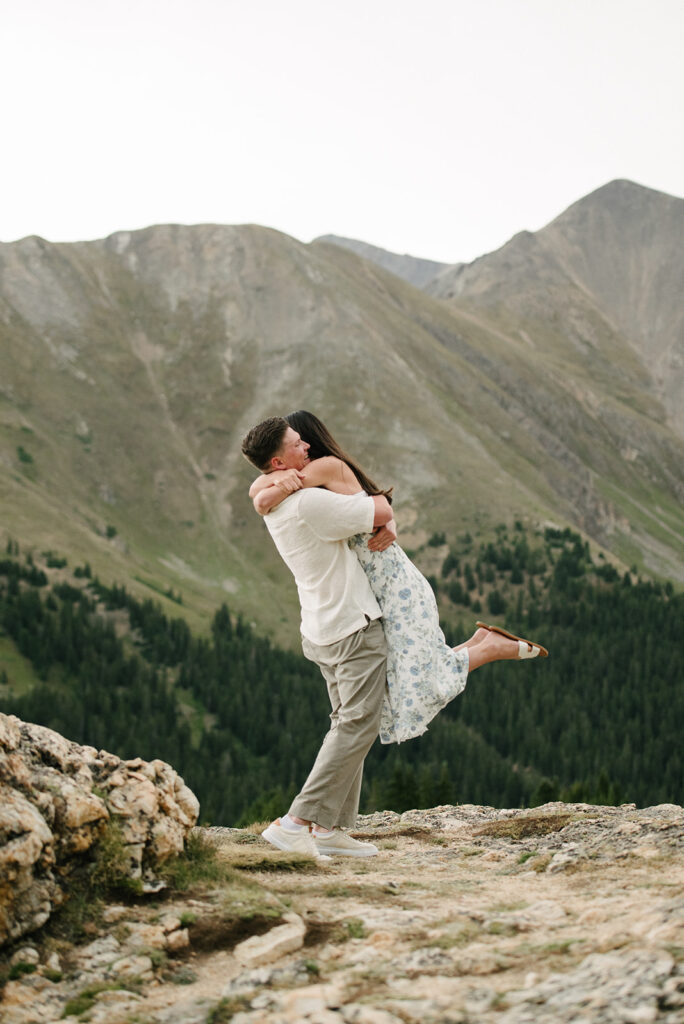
point(540, 383)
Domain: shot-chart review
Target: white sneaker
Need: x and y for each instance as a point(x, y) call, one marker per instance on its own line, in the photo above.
point(291, 841)
point(342, 845)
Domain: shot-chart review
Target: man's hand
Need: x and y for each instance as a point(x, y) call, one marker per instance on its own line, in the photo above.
point(289, 480)
point(383, 537)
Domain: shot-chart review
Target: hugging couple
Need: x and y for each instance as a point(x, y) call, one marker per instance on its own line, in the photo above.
point(369, 621)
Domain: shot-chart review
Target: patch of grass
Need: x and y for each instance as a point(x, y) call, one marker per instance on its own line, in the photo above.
point(558, 947)
point(522, 827)
point(355, 928)
point(180, 976)
point(471, 851)
point(23, 455)
point(463, 937)
point(158, 957)
point(400, 832)
point(104, 873)
point(244, 839)
point(21, 675)
point(199, 864)
point(55, 976)
point(227, 1009)
point(20, 969)
point(110, 871)
point(502, 928)
point(86, 999)
point(506, 908)
point(541, 863)
point(257, 827)
point(525, 856)
point(187, 917)
point(271, 860)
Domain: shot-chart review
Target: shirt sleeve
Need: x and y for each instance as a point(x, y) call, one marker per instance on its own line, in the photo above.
point(336, 516)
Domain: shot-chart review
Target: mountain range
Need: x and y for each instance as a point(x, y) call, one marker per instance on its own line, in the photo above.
point(542, 382)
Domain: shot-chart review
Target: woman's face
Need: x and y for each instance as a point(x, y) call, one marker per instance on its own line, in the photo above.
point(294, 452)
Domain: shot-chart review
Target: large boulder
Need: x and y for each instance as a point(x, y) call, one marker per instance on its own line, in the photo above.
point(56, 798)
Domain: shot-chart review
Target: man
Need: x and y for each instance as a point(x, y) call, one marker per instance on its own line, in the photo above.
point(341, 632)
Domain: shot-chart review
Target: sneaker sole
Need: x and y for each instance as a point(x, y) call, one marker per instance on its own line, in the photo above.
point(273, 838)
point(346, 853)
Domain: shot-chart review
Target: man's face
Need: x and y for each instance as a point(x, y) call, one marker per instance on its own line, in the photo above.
point(293, 452)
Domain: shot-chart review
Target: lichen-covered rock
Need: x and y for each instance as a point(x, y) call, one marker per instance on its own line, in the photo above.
point(56, 798)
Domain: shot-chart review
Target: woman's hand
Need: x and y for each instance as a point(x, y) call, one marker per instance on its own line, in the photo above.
point(383, 537)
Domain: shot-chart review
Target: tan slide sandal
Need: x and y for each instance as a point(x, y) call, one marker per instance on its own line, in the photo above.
point(526, 649)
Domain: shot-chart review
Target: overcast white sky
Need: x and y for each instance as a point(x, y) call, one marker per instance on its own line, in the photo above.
point(434, 127)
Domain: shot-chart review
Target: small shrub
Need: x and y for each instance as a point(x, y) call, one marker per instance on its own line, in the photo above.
point(227, 1009)
point(24, 456)
point(20, 969)
point(355, 928)
point(199, 862)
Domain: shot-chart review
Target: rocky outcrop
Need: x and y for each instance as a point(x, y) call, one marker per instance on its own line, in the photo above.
point(56, 798)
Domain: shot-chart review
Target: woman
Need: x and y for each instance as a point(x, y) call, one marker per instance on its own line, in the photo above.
point(423, 672)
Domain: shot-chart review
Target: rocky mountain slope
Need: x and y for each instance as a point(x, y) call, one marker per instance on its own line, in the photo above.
point(131, 367)
point(607, 274)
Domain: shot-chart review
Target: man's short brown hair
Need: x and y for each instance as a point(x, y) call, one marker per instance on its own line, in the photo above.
point(264, 441)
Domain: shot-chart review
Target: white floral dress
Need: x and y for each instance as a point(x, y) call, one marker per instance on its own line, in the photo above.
point(423, 672)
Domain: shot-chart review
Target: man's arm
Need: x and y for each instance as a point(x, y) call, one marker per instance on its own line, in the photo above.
point(339, 516)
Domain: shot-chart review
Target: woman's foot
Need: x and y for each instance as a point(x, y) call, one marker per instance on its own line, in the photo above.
point(499, 645)
point(477, 637)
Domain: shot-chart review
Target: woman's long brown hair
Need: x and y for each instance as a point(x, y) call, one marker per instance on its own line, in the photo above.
point(321, 442)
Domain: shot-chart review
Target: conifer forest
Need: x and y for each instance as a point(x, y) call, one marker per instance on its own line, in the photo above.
point(601, 720)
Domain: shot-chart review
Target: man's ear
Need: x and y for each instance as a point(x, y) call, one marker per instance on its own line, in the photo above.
point(276, 463)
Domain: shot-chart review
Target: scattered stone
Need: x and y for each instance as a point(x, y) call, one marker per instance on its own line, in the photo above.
point(178, 940)
point(263, 977)
point(422, 961)
point(53, 963)
point(25, 955)
point(110, 915)
point(131, 967)
point(353, 1013)
point(144, 936)
point(265, 949)
point(99, 953)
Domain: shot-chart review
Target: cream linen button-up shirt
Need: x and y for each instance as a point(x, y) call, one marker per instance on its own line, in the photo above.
point(310, 528)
